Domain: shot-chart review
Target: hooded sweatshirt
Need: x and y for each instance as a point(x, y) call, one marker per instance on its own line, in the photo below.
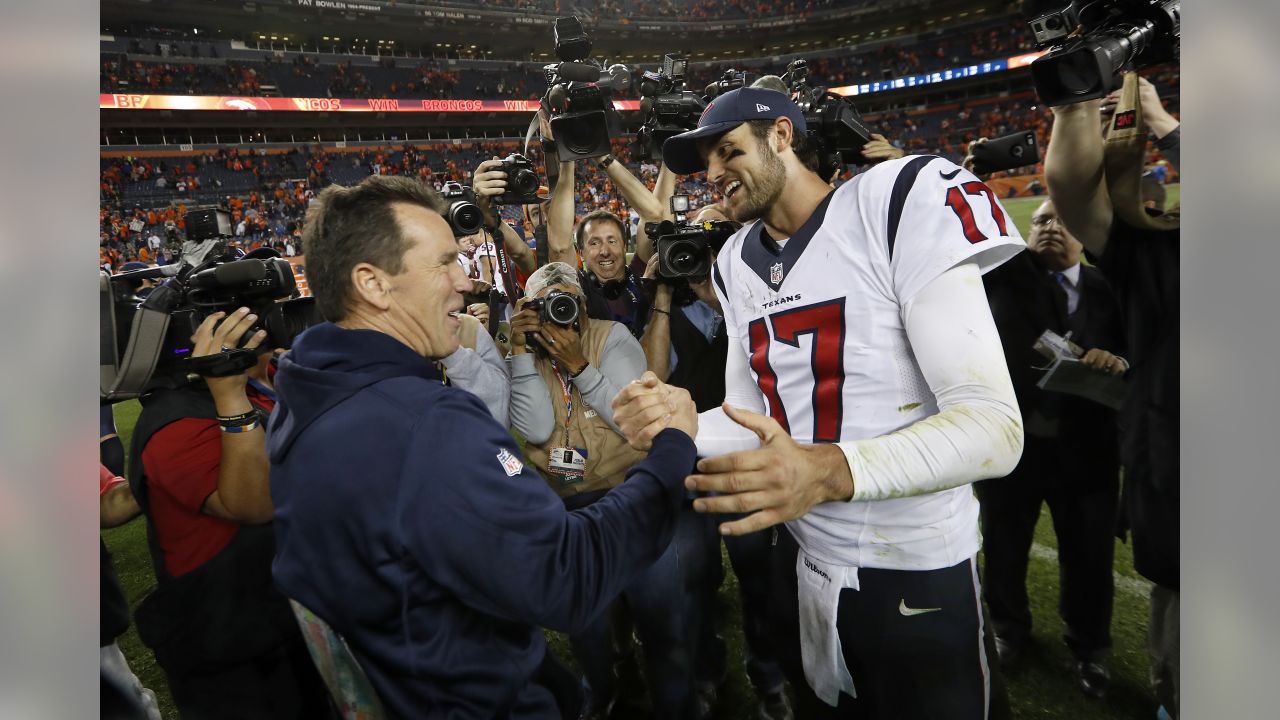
point(405, 518)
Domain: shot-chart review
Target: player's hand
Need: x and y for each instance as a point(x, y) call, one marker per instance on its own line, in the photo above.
point(1103, 361)
point(646, 407)
point(968, 162)
point(479, 311)
point(778, 482)
point(880, 149)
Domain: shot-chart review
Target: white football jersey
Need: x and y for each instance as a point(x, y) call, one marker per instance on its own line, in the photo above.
point(820, 318)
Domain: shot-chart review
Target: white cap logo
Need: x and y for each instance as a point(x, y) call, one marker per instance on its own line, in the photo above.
point(761, 108)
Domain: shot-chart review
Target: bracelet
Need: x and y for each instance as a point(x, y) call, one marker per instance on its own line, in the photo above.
point(580, 370)
point(664, 312)
point(241, 428)
point(606, 161)
point(238, 419)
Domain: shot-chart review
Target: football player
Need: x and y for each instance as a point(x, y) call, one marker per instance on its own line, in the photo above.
point(865, 389)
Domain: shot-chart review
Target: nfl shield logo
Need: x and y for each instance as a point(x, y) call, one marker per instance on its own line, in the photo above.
point(775, 274)
point(510, 463)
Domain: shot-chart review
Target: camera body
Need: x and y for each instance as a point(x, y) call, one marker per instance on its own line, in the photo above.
point(668, 108)
point(463, 214)
point(522, 181)
point(834, 124)
point(145, 345)
point(557, 307)
point(579, 99)
point(684, 248)
point(1092, 43)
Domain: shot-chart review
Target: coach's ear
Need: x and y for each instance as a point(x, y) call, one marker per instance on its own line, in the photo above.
point(371, 285)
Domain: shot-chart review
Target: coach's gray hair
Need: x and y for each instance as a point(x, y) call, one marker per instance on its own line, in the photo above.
point(556, 273)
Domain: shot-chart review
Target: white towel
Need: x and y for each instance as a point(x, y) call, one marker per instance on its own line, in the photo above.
point(819, 585)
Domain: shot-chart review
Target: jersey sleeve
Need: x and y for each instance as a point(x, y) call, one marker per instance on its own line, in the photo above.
point(937, 216)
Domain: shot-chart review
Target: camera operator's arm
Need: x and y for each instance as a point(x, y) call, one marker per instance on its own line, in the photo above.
point(242, 494)
point(487, 182)
point(531, 412)
point(560, 209)
point(657, 332)
point(1073, 170)
point(649, 206)
point(118, 505)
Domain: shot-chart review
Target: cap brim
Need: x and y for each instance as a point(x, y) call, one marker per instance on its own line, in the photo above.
point(680, 152)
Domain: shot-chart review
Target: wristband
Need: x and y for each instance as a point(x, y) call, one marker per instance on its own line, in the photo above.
point(241, 428)
point(664, 312)
point(580, 370)
point(238, 419)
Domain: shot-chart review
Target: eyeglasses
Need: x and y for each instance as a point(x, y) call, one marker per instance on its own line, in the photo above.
point(1044, 221)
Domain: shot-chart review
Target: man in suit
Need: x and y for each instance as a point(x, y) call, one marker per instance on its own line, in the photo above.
point(1071, 455)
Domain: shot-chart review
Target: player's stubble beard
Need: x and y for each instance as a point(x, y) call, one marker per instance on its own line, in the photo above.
point(769, 183)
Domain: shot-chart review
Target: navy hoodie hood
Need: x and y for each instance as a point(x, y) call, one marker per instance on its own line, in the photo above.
point(327, 365)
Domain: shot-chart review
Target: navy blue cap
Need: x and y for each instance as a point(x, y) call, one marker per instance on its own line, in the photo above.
point(133, 265)
point(680, 152)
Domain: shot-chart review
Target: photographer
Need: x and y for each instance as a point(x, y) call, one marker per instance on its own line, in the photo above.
point(561, 403)
point(224, 636)
point(1096, 192)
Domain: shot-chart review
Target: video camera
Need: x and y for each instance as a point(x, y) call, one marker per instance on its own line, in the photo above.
point(684, 247)
point(834, 125)
point(464, 214)
point(147, 344)
point(522, 182)
point(557, 307)
point(730, 80)
point(579, 99)
point(668, 109)
point(1093, 42)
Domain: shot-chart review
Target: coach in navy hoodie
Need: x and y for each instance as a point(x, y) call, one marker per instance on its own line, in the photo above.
point(404, 516)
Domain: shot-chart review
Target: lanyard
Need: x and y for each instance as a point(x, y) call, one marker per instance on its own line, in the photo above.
point(568, 399)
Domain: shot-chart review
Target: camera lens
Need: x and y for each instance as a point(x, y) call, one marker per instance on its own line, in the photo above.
point(562, 309)
point(525, 182)
point(465, 218)
point(686, 258)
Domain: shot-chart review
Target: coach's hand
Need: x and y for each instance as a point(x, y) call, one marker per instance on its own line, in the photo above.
point(778, 482)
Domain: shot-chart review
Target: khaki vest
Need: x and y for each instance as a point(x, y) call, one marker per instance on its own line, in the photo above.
point(608, 454)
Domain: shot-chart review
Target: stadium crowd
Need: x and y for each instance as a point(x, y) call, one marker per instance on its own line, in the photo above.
point(357, 481)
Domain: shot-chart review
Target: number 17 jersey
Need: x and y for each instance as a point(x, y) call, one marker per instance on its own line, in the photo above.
point(820, 317)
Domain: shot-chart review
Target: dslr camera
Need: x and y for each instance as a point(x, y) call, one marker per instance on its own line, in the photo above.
point(557, 307)
point(834, 124)
point(684, 247)
point(579, 99)
point(667, 108)
point(464, 214)
point(1092, 43)
point(144, 345)
point(522, 182)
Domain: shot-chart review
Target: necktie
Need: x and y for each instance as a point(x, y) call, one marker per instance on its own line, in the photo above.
point(1065, 284)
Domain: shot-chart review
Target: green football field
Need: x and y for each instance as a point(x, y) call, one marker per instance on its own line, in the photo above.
point(1044, 688)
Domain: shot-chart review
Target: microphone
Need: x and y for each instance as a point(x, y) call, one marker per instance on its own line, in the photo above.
point(148, 273)
point(578, 72)
point(240, 272)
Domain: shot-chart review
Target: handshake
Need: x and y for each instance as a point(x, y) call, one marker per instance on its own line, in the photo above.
point(648, 406)
point(777, 482)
